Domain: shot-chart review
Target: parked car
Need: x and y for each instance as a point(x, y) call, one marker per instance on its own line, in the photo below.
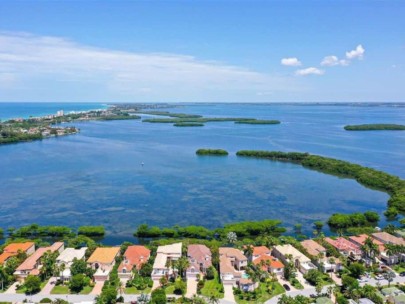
point(402, 274)
point(362, 280)
point(379, 277)
point(286, 287)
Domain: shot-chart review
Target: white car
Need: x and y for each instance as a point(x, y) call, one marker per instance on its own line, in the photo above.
point(362, 280)
point(379, 277)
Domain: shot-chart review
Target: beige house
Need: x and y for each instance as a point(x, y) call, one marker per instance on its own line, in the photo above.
point(318, 255)
point(287, 253)
point(66, 258)
point(165, 255)
point(199, 257)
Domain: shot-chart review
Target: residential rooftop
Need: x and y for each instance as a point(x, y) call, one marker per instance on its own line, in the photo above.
point(104, 255)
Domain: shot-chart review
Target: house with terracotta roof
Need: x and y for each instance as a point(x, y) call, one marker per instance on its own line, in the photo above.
point(164, 256)
point(200, 258)
point(134, 257)
point(103, 260)
point(387, 238)
point(231, 267)
point(13, 249)
point(66, 259)
point(288, 253)
point(261, 257)
point(32, 264)
point(346, 248)
point(259, 251)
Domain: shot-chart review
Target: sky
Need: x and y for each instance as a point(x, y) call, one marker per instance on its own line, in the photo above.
point(202, 51)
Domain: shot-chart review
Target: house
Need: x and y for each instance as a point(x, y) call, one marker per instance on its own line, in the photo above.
point(262, 257)
point(346, 248)
point(360, 241)
point(231, 264)
point(103, 260)
point(247, 284)
point(13, 249)
point(66, 259)
point(259, 251)
point(365, 301)
point(287, 253)
point(32, 264)
point(387, 238)
point(237, 258)
point(134, 257)
point(318, 254)
point(200, 258)
point(164, 255)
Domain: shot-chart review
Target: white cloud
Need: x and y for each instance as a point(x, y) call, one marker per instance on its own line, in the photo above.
point(309, 71)
point(41, 60)
point(290, 61)
point(356, 53)
point(333, 61)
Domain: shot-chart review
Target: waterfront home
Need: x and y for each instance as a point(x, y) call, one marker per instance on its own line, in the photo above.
point(165, 255)
point(259, 251)
point(200, 258)
point(360, 241)
point(318, 254)
point(65, 260)
point(346, 248)
point(103, 260)
point(287, 253)
point(13, 249)
point(231, 264)
point(387, 238)
point(262, 258)
point(134, 257)
point(32, 265)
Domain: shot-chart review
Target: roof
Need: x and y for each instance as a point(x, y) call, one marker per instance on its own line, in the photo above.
point(69, 254)
point(272, 262)
point(289, 249)
point(323, 300)
point(343, 245)
point(170, 249)
point(15, 247)
point(244, 281)
point(390, 291)
point(225, 265)
point(198, 252)
point(312, 247)
point(365, 301)
point(259, 250)
point(361, 239)
point(134, 256)
point(5, 255)
point(232, 252)
point(32, 260)
point(388, 238)
point(104, 255)
point(160, 261)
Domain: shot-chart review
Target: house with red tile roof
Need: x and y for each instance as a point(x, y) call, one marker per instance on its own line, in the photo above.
point(103, 260)
point(259, 251)
point(32, 264)
point(261, 256)
point(200, 258)
point(13, 249)
point(345, 247)
point(388, 239)
point(134, 257)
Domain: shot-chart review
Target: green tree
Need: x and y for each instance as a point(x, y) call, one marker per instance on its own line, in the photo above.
point(179, 287)
point(356, 270)
point(182, 264)
point(32, 284)
point(77, 283)
point(48, 261)
point(210, 273)
point(158, 296)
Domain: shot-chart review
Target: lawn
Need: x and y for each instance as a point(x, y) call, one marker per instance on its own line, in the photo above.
point(133, 290)
point(169, 289)
point(22, 289)
point(297, 285)
point(263, 293)
point(399, 268)
point(86, 290)
point(213, 288)
point(60, 289)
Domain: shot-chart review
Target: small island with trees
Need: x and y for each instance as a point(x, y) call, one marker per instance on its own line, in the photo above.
point(214, 152)
point(375, 127)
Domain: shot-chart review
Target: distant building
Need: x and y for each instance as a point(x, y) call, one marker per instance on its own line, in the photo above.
point(60, 113)
point(346, 247)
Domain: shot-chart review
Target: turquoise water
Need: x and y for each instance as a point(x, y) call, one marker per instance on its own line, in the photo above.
point(10, 110)
point(96, 177)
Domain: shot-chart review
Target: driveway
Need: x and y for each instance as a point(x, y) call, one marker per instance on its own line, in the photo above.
point(156, 284)
point(303, 282)
point(12, 288)
point(97, 288)
point(228, 293)
point(191, 287)
point(49, 286)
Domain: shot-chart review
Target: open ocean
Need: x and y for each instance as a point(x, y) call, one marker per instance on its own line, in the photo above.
point(96, 177)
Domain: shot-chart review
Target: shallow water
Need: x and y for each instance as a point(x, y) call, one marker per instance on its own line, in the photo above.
point(96, 177)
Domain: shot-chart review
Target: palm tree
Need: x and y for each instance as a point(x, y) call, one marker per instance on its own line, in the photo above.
point(249, 252)
point(182, 264)
point(389, 276)
point(370, 249)
point(213, 299)
point(3, 276)
point(232, 237)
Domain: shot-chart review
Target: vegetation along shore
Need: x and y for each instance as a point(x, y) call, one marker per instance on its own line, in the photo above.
point(375, 127)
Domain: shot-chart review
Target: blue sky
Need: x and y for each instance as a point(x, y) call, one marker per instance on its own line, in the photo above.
point(191, 51)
